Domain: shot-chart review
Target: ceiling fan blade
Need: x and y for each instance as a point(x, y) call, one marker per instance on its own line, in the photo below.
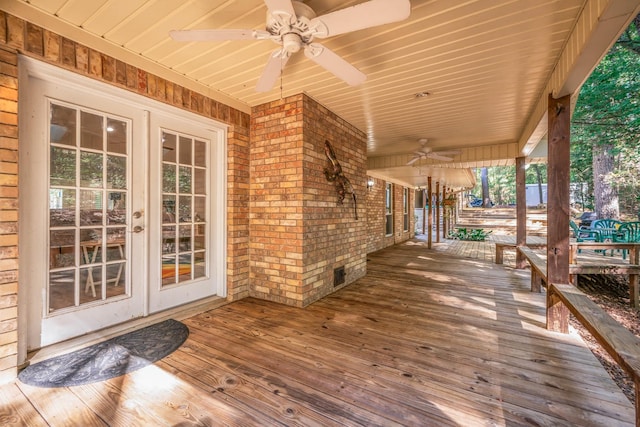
point(412, 161)
point(277, 60)
point(215, 35)
point(439, 157)
point(360, 16)
point(449, 152)
point(283, 6)
point(335, 64)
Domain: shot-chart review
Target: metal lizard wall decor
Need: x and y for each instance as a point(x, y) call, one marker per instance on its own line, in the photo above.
point(333, 173)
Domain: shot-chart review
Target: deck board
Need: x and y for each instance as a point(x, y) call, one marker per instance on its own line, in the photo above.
point(427, 337)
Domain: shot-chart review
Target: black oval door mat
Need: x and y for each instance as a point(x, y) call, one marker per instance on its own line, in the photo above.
point(108, 359)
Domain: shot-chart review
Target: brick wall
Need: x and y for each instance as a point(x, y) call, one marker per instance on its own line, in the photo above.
point(376, 235)
point(332, 237)
point(276, 211)
point(375, 216)
point(16, 35)
point(298, 232)
point(8, 210)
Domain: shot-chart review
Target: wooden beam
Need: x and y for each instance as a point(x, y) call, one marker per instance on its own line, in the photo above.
point(430, 215)
point(437, 207)
point(521, 210)
point(445, 216)
point(425, 203)
point(558, 209)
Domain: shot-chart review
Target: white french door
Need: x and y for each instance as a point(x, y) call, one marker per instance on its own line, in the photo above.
point(186, 245)
point(121, 210)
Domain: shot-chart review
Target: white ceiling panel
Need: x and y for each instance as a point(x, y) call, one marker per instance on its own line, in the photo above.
point(486, 63)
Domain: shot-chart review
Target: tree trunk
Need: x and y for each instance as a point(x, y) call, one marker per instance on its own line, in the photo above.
point(536, 168)
point(605, 193)
point(484, 178)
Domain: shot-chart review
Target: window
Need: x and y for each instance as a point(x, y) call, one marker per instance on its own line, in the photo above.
point(405, 208)
point(418, 199)
point(388, 208)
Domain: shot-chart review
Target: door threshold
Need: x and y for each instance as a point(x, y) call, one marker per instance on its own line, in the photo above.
point(177, 313)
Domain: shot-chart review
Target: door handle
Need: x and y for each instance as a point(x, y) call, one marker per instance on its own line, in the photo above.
point(137, 229)
point(137, 214)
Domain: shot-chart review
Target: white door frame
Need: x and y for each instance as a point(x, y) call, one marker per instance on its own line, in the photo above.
point(30, 68)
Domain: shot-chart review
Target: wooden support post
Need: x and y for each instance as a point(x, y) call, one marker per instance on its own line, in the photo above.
point(445, 213)
point(558, 208)
point(437, 207)
point(430, 215)
point(521, 211)
point(636, 382)
point(425, 203)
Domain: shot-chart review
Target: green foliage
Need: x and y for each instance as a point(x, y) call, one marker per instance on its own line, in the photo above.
point(608, 113)
point(502, 182)
point(474, 234)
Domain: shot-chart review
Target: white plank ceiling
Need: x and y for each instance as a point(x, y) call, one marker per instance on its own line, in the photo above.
point(484, 63)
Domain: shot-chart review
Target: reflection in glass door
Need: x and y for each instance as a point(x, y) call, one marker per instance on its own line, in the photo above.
point(88, 189)
point(184, 202)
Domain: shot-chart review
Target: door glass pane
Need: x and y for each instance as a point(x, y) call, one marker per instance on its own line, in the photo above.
point(90, 169)
point(90, 245)
point(90, 284)
point(62, 244)
point(184, 248)
point(63, 167)
point(199, 213)
point(199, 184)
point(185, 150)
point(168, 209)
point(169, 147)
point(62, 129)
point(116, 136)
point(117, 172)
point(87, 209)
point(169, 178)
point(185, 179)
point(168, 270)
point(184, 268)
point(199, 269)
point(185, 238)
point(200, 155)
point(62, 207)
point(62, 288)
point(90, 207)
point(168, 240)
point(184, 208)
point(116, 208)
point(91, 131)
point(116, 244)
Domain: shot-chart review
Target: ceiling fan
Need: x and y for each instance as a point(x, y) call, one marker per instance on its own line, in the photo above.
point(294, 26)
point(428, 153)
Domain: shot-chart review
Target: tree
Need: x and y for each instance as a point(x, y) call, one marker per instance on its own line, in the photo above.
point(484, 178)
point(606, 125)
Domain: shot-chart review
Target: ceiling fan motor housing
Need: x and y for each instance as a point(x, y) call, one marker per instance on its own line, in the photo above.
point(292, 32)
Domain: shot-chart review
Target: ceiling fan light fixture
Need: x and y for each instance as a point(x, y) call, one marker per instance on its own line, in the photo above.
point(422, 94)
point(291, 42)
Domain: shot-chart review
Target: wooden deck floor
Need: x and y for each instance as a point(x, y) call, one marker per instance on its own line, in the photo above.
point(427, 338)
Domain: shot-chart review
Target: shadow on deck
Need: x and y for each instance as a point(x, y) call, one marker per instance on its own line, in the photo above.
point(428, 337)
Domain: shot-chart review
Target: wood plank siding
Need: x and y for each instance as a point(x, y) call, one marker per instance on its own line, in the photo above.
point(426, 338)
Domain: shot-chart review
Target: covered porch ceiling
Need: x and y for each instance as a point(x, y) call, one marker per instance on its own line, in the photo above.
point(471, 76)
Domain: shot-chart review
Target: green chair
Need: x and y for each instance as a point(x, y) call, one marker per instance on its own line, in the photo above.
point(582, 234)
point(629, 232)
point(608, 229)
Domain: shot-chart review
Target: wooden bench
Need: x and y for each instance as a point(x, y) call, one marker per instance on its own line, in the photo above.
point(509, 242)
point(538, 268)
point(618, 341)
point(539, 273)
